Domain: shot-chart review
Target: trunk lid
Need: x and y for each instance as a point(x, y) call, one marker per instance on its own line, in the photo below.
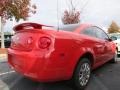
point(27, 35)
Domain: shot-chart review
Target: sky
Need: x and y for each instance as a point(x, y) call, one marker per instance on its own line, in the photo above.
point(97, 12)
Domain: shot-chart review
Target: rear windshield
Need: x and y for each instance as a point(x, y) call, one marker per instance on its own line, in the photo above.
point(70, 27)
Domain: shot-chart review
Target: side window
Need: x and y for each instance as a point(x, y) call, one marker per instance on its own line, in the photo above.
point(89, 31)
point(95, 32)
point(101, 34)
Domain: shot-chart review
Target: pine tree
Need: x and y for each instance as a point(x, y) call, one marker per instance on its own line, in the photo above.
point(114, 28)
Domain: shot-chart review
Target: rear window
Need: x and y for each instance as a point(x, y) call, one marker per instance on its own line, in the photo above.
point(70, 27)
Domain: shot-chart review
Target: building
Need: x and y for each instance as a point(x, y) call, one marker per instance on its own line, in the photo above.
point(7, 39)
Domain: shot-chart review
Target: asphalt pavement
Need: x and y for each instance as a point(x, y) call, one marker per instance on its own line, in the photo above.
point(106, 77)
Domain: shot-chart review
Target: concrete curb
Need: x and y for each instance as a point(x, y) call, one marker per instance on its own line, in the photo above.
point(3, 57)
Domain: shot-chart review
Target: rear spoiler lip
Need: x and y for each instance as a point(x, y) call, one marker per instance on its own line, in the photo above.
point(17, 27)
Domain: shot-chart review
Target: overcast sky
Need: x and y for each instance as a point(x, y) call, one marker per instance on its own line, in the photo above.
point(98, 12)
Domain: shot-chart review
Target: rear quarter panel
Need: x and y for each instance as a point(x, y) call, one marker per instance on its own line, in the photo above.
point(69, 48)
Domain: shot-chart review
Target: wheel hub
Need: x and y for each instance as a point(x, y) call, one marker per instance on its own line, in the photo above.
point(84, 74)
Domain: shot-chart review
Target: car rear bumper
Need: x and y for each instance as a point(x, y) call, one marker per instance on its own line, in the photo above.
point(35, 67)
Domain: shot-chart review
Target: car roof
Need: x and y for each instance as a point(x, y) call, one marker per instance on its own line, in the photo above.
point(73, 27)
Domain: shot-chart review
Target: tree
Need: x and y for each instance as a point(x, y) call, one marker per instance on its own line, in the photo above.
point(114, 28)
point(71, 16)
point(19, 9)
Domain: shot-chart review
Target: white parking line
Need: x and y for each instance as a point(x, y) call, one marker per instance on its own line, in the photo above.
point(1, 74)
point(3, 85)
point(14, 81)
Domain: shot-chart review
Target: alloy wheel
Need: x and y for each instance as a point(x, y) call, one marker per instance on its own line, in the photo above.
point(84, 74)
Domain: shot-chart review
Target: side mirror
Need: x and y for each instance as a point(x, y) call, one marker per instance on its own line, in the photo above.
point(110, 39)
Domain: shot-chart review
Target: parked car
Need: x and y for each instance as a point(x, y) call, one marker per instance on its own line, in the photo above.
point(71, 52)
point(7, 41)
point(116, 39)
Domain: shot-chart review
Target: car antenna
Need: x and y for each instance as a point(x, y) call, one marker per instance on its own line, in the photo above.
point(57, 15)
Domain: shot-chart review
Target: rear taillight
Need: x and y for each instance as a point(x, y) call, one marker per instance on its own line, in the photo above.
point(44, 42)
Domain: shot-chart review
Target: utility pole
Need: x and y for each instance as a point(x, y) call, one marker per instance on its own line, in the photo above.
point(13, 24)
point(2, 33)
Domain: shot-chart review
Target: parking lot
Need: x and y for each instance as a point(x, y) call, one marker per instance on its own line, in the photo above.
point(106, 77)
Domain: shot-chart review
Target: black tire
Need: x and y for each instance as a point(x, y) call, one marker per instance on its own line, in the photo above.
point(82, 75)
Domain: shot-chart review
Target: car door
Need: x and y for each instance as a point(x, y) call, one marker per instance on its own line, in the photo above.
point(96, 43)
point(104, 39)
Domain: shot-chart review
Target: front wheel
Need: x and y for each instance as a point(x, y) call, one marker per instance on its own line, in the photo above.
point(114, 59)
point(82, 74)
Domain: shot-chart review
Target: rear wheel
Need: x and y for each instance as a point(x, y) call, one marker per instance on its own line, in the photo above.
point(82, 74)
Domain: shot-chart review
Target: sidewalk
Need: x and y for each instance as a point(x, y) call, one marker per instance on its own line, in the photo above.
point(3, 56)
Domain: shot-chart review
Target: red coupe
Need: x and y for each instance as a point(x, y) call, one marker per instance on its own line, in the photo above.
point(45, 54)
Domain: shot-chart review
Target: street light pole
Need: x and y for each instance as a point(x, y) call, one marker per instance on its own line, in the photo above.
point(2, 33)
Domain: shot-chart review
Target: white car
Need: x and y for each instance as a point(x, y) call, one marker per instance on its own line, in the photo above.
point(116, 39)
